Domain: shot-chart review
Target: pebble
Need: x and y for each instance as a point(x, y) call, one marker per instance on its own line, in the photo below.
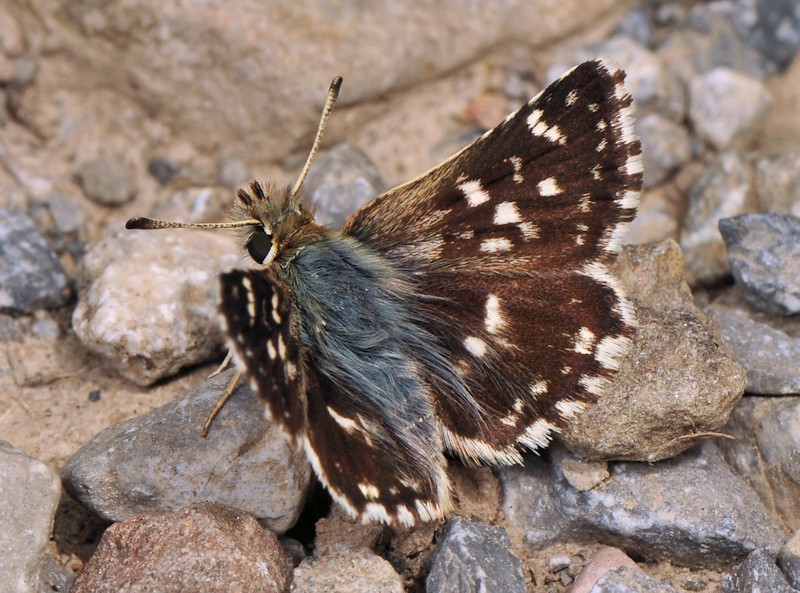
point(666, 146)
point(162, 170)
point(766, 450)
point(159, 462)
point(627, 580)
point(341, 180)
point(107, 181)
point(758, 573)
point(357, 571)
point(764, 253)
point(678, 383)
point(778, 180)
point(29, 495)
point(205, 547)
point(148, 300)
point(472, 557)
point(31, 276)
point(724, 189)
point(727, 108)
point(768, 354)
point(772, 27)
point(655, 511)
point(233, 173)
point(602, 562)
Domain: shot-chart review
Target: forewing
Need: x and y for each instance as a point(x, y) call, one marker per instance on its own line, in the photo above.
point(508, 242)
point(258, 315)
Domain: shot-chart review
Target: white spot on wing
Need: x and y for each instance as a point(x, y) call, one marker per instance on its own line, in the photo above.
point(369, 490)
point(572, 98)
point(529, 230)
point(506, 213)
point(348, 424)
point(495, 245)
point(548, 187)
point(474, 192)
point(568, 409)
point(494, 316)
point(475, 346)
point(538, 388)
point(271, 350)
point(584, 341)
point(537, 435)
point(610, 351)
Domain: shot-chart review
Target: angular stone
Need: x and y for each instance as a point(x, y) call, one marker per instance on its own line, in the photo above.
point(159, 462)
point(474, 557)
point(205, 547)
point(769, 355)
point(764, 252)
point(29, 494)
point(723, 189)
point(778, 179)
point(626, 580)
point(107, 181)
point(666, 145)
point(728, 108)
point(31, 276)
point(357, 571)
point(654, 511)
point(757, 573)
point(678, 384)
point(148, 302)
point(766, 451)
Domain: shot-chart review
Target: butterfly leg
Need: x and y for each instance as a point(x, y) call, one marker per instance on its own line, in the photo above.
point(220, 402)
point(223, 365)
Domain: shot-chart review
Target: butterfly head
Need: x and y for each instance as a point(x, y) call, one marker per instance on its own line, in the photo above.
point(282, 221)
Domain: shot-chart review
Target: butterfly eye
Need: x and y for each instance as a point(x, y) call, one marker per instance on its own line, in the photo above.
point(260, 246)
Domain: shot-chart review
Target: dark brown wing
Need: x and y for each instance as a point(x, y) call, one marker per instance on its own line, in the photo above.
point(507, 242)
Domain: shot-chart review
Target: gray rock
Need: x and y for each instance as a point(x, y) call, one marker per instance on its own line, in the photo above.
point(159, 462)
point(162, 169)
point(665, 146)
point(711, 40)
point(678, 383)
point(473, 557)
point(205, 547)
point(764, 252)
point(789, 560)
point(778, 180)
point(772, 27)
point(627, 580)
point(757, 573)
point(723, 190)
point(669, 509)
point(357, 571)
point(768, 355)
point(727, 107)
point(107, 181)
point(29, 495)
point(766, 451)
point(341, 180)
point(149, 300)
point(31, 276)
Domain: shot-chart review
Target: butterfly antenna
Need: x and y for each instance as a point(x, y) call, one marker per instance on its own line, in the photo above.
point(149, 224)
point(333, 92)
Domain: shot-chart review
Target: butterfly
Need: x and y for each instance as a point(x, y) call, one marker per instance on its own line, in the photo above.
point(468, 311)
